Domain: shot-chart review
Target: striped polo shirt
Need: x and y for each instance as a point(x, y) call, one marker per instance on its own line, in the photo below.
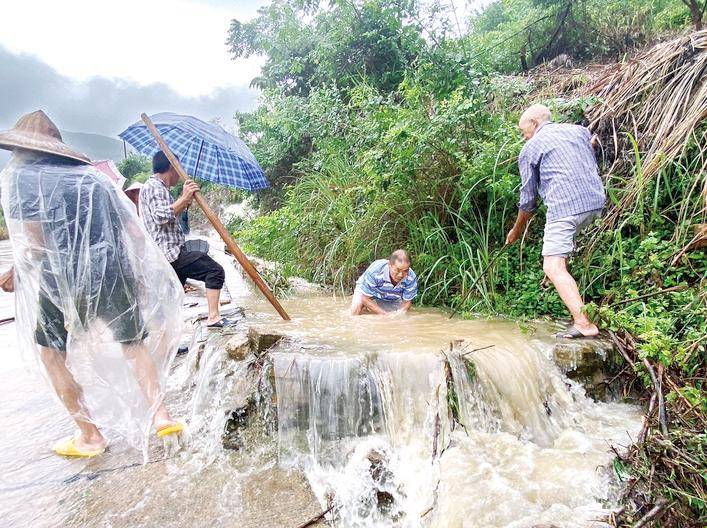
point(375, 282)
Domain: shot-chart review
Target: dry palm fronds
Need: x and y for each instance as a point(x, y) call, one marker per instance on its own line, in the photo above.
point(668, 459)
point(660, 98)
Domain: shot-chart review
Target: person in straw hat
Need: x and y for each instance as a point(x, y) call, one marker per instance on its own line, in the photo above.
point(133, 192)
point(95, 301)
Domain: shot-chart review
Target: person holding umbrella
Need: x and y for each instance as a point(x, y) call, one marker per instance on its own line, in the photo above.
point(196, 149)
point(558, 165)
point(160, 213)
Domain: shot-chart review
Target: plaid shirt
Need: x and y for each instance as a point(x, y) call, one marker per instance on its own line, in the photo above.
point(558, 164)
point(157, 215)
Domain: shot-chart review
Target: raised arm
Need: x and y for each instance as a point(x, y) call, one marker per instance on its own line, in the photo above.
point(184, 201)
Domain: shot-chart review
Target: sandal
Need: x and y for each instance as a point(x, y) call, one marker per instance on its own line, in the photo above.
point(175, 428)
point(573, 333)
point(221, 323)
point(67, 447)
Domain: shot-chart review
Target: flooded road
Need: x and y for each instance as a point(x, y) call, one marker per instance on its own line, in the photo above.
point(362, 415)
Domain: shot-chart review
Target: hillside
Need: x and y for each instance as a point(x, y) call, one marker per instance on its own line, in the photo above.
point(95, 146)
point(379, 130)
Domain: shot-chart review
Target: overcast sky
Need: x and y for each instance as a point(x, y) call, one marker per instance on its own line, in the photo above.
point(94, 66)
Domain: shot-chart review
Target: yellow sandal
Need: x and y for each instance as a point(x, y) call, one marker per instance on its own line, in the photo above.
point(175, 428)
point(67, 448)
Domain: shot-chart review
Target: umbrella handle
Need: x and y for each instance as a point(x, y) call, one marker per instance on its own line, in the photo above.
point(218, 225)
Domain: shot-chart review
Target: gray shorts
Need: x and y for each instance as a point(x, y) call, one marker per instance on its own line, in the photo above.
point(558, 240)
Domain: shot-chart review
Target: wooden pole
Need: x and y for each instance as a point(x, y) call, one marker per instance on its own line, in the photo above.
point(220, 229)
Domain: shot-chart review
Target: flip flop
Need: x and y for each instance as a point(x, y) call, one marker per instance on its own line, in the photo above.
point(220, 323)
point(67, 447)
point(573, 333)
point(175, 428)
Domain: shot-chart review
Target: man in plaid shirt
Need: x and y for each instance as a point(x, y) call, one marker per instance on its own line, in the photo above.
point(160, 214)
point(558, 165)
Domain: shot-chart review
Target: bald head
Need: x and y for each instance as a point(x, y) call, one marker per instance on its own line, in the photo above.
point(400, 256)
point(533, 118)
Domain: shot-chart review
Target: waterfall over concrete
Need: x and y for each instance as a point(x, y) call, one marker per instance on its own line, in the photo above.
point(418, 421)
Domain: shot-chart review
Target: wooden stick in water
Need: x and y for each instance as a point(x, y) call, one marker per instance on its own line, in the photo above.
point(220, 229)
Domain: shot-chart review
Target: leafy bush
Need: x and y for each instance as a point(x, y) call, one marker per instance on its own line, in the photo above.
point(135, 168)
point(423, 156)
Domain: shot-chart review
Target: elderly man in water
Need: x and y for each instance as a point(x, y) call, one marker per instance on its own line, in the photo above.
point(558, 165)
point(387, 287)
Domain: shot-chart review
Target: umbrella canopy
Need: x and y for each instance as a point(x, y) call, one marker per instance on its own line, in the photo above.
point(206, 151)
point(108, 168)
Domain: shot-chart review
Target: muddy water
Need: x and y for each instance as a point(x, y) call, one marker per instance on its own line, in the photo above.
point(362, 410)
point(528, 447)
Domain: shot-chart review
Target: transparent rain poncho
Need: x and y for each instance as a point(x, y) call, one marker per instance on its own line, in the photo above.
point(93, 290)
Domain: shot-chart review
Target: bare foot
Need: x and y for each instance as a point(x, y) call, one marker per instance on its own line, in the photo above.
point(92, 443)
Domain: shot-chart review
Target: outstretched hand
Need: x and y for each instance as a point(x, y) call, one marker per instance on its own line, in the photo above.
point(512, 236)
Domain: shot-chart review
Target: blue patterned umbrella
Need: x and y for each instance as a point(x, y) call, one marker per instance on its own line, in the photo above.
point(206, 151)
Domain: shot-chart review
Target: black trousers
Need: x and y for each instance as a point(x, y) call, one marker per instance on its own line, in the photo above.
point(201, 268)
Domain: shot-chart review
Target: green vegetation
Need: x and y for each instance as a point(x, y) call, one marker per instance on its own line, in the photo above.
point(533, 31)
point(384, 124)
point(135, 168)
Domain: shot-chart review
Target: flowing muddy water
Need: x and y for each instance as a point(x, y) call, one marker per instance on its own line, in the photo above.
point(378, 415)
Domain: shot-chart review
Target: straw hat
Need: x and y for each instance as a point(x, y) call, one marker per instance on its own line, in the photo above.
point(134, 187)
point(37, 132)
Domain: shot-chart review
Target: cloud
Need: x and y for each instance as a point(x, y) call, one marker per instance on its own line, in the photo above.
point(102, 105)
point(178, 42)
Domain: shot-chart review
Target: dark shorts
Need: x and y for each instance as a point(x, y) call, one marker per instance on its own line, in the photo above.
point(118, 309)
point(199, 267)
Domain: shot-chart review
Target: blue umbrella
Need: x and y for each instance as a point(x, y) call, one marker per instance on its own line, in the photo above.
point(239, 168)
point(206, 151)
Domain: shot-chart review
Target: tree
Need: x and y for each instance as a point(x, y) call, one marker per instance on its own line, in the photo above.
point(696, 12)
point(135, 167)
point(509, 35)
point(309, 44)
